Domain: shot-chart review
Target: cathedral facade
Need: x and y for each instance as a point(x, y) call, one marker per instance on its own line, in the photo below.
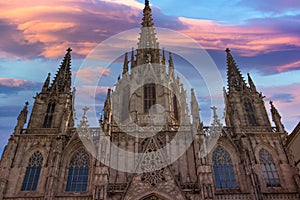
point(150, 144)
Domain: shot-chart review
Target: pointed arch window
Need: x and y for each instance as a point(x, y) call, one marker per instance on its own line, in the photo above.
point(33, 171)
point(149, 96)
point(249, 112)
point(125, 104)
point(268, 169)
point(49, 115)
point(78, 172)
point(175, 104)
point(223, 169)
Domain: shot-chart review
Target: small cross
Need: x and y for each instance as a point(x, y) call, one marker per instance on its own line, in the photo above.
point(227, 50)
point(214, 108)
point(85, 109)
point(69, 50)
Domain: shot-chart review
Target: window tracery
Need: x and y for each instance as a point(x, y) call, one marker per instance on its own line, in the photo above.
point(33, 171)
point(78, 172)
point(223, 169)
point(268, 169)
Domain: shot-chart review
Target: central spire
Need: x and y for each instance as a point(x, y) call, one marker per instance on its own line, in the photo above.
point(147, 36)
point(148, 47)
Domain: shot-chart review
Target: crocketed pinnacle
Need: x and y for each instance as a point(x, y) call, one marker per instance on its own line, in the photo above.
point(147, 36)
point(62, 80)
point(234, 76)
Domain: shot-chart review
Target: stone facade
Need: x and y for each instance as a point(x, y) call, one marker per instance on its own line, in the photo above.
point(51, 159)
point(292, 144)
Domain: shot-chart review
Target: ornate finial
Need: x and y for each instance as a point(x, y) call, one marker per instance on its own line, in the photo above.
point(85, 109)
point(214, 108)
point(26, 103)
point(227, 50)
point(271, 103)
point(69, 50)
point(146, 2)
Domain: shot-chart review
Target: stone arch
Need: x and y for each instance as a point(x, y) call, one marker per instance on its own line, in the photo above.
point(276, 160)
point(30, 151)
point(24, 163)
point(235, 159)
point(73, 146)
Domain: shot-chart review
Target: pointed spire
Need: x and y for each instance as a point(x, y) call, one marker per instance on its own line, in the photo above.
point(107, 106)
point(146, 2)
point(163, 61)
point(125, 66)
point(46, 83)
point(194, 107)
point(276, 118)
point(22, 118)
point(171, 64)
point(132, 58)
point(147, 38)
point(62, 80)
point(234, 77)
point(251, 83)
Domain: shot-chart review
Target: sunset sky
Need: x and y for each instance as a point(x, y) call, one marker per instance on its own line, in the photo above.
point(264, 38)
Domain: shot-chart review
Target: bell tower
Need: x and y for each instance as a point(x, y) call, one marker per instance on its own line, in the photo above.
point(53, 106)
point(244, 106)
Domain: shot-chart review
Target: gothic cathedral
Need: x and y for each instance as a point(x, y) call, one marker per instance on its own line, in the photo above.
point(153, 148)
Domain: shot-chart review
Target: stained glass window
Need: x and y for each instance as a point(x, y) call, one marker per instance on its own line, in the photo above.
point(268, 169)
point(149, 96)
point(78, 172)
point(223, 169)
point(33, 171)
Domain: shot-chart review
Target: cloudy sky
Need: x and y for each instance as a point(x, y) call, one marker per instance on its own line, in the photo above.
point(264, 37)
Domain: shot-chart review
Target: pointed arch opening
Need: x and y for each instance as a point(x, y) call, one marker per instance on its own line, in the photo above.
point(223, 169)
point(149, 96)
point(78, 172)
point(33, 171)
point(268, 168)
point(249, 112)
point(49, 114)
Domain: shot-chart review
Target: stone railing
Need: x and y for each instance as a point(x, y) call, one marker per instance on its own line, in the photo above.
point(40, 131)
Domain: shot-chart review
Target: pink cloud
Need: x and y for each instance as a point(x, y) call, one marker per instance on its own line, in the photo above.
point(286, 67)
point(248, 40)
point(91, 74)
point(11, 82)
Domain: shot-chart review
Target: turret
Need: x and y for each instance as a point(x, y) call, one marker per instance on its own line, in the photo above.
point(276, 119)
point(46, 83)
point(251, 84)
point(53, 106)
point(21, 119)
point(125, 65)
point(244, 106)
